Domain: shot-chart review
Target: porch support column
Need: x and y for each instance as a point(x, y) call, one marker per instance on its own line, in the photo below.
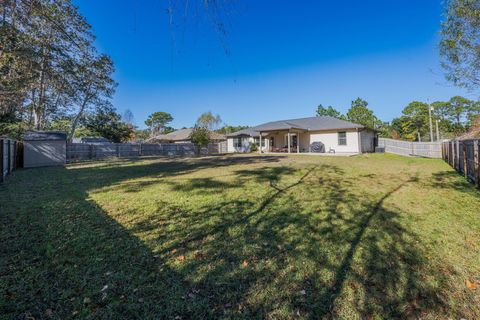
point(288, 141)
point(260, 146)
point(298, 142)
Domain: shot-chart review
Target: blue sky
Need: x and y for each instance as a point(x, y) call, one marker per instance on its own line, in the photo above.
point(285, 57)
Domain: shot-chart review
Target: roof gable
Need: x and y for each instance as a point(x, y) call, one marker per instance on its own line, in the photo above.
point(307, 124)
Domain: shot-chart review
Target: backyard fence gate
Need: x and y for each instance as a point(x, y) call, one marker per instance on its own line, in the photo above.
point(463, 156)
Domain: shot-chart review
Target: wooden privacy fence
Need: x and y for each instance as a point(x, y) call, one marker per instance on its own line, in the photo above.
point(409, 148)
point(463, 156)
point(8, 152)
point(83, 151)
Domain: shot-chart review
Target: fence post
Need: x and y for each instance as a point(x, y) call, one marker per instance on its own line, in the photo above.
point(476, 174)
point(9, 163)
point(140, 150)
point(457, 156)
point(464, 152)
point(1, 160)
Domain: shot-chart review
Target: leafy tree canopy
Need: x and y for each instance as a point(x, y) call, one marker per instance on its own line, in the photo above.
point(157, 121)
point(460, 36)
point(360, 114)
point(208, 120)
point(200, 136)
point(107, 123)
point(230, 129)
point(328, 111)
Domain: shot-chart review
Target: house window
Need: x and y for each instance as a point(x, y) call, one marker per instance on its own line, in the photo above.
point(293, 140)
point(342, 138)
point(257, 141)
point(237, 142)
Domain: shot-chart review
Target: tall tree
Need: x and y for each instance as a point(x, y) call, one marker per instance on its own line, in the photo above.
point(226, 129)
point(460, 37)
point(93, 84)
point(46, 54)
point(459, 107)
point(415, 120)
point(128, 117)
point(157, 121)
point(208, 120)
point(328, 111)
point(200, 136)
point(106, 122)
point(361, 114)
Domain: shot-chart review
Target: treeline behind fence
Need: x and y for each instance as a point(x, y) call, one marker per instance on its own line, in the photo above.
point(83, 151)
point(463, 156)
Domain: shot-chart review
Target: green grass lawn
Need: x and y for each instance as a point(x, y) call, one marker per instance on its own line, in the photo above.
point(366, 237)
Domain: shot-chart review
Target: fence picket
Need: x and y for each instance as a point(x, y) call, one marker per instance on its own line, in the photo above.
point(8, 156)
point(464, 157)
point(476, 173)
point(409, 148)
point(1, 161)
point(82, 151)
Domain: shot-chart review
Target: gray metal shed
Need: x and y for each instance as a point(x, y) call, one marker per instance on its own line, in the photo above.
point(44, 148)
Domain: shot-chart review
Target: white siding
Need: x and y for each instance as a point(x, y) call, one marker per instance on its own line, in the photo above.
point(330, 140)
point(246, 144)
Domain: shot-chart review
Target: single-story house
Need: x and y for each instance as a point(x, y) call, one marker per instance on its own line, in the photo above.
point(242, 141)
point(305, 135)
point(183, 136)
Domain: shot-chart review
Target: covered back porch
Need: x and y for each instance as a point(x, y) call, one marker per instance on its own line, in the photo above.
point(284, 141)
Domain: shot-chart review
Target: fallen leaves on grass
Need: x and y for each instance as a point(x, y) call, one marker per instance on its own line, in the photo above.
point(198, 255)
point(181, 258)
point(471, 285)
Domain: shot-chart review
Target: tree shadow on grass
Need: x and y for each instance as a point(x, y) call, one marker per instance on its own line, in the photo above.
point(247, 251)
point(65, 258)
point(450, 179)
point(309, 248)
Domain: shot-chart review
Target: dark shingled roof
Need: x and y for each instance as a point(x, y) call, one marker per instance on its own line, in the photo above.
point(183, 135)
point(307, 124)
point(245, 132)
point(44, 135)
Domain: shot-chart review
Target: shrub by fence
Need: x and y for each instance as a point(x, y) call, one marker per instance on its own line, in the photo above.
point(83, 151)
point(8, 152)
point(463, 156)
point(409, 148)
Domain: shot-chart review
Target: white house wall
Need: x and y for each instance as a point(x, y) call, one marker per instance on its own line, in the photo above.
point(246, 144)
point(330, 140)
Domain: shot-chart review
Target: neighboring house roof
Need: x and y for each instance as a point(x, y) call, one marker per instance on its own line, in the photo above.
point(183, 135)
point(245, 132)
point(473, 133)
point(307, 124)
point(94, 140)
point(44, 135)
